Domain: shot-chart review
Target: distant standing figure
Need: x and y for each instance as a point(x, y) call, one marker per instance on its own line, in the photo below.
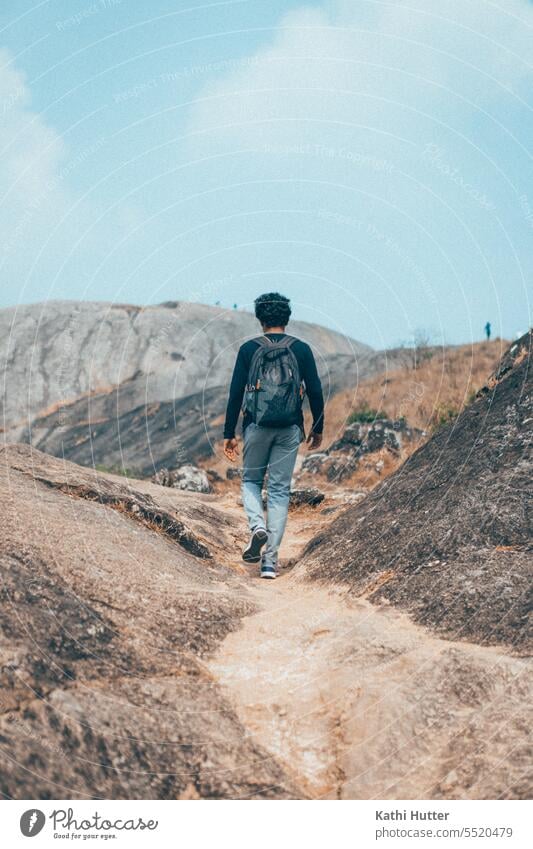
point(487, 330)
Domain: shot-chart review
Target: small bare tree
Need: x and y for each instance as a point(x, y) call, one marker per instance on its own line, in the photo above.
point(416, 349)
point(421, 347)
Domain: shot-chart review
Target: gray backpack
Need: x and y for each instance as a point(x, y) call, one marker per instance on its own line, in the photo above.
point(274, 393)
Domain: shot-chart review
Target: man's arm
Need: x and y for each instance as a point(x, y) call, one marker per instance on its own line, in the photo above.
point(236, 392)
point(313, 387)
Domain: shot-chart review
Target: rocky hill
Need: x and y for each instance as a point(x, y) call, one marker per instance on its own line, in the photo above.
point(391, 659)
point(448, 537)
point(112, 430)
point(55, 352)
point(137, 407)
point(112, 596)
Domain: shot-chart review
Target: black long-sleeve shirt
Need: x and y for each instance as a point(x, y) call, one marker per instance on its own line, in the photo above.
point(308, 373)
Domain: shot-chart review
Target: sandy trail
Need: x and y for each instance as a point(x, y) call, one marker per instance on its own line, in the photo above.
point(361, 703)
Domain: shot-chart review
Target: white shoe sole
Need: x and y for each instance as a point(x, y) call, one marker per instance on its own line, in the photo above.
point(252, 552)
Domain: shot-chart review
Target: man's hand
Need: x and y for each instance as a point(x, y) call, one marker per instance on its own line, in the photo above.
point(231, 449)
point(314, 440)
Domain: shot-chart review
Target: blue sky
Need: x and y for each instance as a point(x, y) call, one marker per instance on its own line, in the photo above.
point(370, 159)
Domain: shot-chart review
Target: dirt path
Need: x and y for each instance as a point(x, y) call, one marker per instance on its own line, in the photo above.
point(360, 703)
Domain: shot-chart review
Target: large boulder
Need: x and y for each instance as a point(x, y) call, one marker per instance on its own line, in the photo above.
point(191, 478)
point(187, 477)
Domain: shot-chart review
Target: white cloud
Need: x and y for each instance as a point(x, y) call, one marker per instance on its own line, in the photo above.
point(398, 115)
point(342, 63)
point(31, 150)
point(31, 193)
point(44, 221)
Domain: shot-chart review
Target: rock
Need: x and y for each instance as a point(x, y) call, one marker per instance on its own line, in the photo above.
point(341, 459)
point(213, 476)
point(233, 473)
point(353, 435)
point(191, 478)
point(187, 477)
point(375, 437)
point(104, 686)
point(393, 441)
point(312, 497)
point(452, 527)
point(163, 477)
point(352, 497)
point(313, 463)
point(335, 466)
point(342, 466)
point(515, 354)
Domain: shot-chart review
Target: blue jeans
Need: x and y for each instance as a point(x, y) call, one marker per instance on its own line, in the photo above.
point(273, 449)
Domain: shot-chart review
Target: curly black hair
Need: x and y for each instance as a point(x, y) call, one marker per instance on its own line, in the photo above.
point(273, 309)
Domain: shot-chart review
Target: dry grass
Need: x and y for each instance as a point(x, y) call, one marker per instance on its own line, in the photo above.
point(426, 396)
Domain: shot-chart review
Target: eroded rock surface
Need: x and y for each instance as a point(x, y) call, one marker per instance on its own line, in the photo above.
point(112, 599)
point(363, 704)
point(448, 536)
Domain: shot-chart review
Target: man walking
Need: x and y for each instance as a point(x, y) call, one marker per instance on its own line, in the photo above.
point(271, 375)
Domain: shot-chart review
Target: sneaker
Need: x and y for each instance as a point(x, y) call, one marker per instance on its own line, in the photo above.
point(252, 552)
point(267, 571)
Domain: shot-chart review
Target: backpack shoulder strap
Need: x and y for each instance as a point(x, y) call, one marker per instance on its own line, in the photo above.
point(263, 341)
point(263, 344)
point(285, 342)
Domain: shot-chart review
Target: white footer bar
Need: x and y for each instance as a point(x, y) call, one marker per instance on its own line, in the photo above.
point(268, 825)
